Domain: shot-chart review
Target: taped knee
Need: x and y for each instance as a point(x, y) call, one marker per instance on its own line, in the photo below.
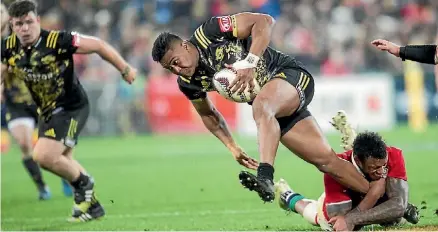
point(310, 213)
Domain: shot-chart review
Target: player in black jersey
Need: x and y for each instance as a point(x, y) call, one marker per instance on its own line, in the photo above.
point(280, 110)
point(44, 61)
point(21, 117)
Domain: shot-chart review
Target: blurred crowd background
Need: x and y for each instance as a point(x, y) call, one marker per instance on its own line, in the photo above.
point(331, 37)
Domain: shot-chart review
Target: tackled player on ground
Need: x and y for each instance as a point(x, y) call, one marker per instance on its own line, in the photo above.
point(341, 208)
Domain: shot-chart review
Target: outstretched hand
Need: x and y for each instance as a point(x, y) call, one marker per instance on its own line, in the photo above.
point(244, 159)
point(385, 45)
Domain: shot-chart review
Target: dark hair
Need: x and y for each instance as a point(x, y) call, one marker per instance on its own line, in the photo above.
point(162, 45)
point(369, 145)
point(21, 8)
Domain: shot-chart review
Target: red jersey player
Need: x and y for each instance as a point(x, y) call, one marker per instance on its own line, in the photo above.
point(340, 208)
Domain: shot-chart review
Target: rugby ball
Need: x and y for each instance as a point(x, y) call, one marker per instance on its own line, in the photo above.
point(222, 80)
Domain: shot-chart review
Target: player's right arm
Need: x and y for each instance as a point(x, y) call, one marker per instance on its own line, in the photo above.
point(216, 124)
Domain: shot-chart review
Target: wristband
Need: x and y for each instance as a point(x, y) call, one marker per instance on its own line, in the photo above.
point(252, 59)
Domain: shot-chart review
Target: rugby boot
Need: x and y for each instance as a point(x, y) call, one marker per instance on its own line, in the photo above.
point(66, 188)
point(264, 187)
point(84, 197)
point(284, 193)
point(44, 193)
point(348, 134)
point(96, 211)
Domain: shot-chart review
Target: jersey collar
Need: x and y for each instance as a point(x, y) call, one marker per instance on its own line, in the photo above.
point(355, 165)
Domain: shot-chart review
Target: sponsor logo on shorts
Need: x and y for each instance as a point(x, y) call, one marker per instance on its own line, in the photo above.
point(50, 133)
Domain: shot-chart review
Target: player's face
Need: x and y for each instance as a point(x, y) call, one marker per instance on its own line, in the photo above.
point(179, 60)
point(374, 168)
point(27, 28)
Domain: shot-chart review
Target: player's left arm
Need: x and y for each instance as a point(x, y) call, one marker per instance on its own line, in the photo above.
point(396, 190)
point(84, 44)
point(393, 208)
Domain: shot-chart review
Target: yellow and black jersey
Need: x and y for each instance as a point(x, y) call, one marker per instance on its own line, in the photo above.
point(15, 91)
point(47, 70)
point(217, 43)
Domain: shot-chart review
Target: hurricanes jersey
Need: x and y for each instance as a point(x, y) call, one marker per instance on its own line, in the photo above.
point(47, 70)
point(217, 43)
point(15, 91)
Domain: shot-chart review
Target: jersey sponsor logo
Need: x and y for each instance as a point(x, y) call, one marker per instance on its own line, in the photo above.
point(225, 24)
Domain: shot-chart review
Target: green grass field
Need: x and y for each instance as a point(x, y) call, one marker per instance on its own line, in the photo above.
point(191, 183)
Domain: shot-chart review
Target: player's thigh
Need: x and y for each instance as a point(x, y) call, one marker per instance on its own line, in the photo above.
point(46, 150)
point(307, 141)
point(286, 93)
point(21, 130)
point(21, 124)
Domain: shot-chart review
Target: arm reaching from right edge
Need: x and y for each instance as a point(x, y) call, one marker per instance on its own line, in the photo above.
point(217, 125)
point(427, 54)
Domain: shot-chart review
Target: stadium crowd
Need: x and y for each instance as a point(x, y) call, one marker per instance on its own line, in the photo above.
point(313, 31)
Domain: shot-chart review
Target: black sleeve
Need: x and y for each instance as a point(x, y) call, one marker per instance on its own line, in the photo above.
point(190, 93)
point(419, 53)
point(68, 41)
point(4, 53)
point(6, 46)
point(215, 29)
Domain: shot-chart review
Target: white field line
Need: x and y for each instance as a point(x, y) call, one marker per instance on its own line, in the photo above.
point(145, 215)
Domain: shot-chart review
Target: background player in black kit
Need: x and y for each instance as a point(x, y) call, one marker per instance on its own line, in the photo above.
point(44, 60)
point(280, 110)
point(21, 118)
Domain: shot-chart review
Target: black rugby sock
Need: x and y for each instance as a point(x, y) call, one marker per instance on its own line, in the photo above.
point(34, 171)
point(265, 171)
point(81, 181)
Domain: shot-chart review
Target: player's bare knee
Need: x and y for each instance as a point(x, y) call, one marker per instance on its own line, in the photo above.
point(44, 157)
point(25, 146)
point(261, 109)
